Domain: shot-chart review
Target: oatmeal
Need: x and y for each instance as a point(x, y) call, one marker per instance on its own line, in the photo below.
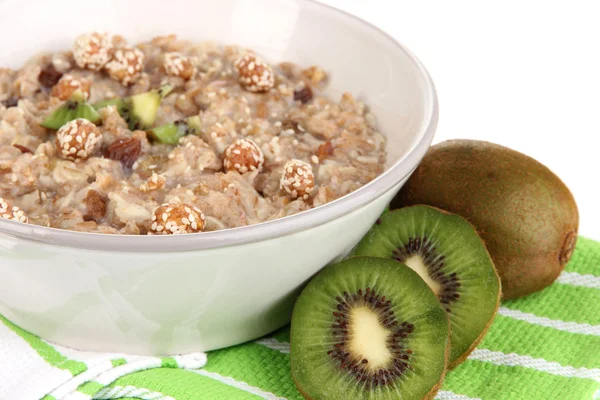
point(174, 137)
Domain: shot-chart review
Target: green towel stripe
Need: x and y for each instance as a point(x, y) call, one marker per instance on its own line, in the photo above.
point(118, 362)
point(48, 397)
point(169, 362)
point(183, 385)
point(568, 349)
point(46, 351)
point(90, 388)
point(258, 366)
point(469, 379)
point(585, 251)
point(550, 303)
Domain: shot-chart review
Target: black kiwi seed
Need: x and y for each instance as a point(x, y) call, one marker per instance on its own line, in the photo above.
point(435, 263)
point(355, 366)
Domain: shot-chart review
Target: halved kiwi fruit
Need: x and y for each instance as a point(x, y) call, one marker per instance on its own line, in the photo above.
point(140, 110)
point(445, 250)
point(368, 328)
point(171, 133)
point(72, 109)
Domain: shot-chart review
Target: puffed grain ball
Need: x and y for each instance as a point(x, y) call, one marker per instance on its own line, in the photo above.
point(254, 74)
point(68, 84)
point(242, 156)
point(78, 140)
point(13, 213)
point(175, 219)
point(92, 51)
point(126, 66)
point(297, 179)
point(176, 64)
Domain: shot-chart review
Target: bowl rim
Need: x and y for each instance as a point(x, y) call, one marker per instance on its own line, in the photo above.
point(383, 183)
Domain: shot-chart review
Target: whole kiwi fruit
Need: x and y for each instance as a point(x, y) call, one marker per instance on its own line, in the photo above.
point(526, 216)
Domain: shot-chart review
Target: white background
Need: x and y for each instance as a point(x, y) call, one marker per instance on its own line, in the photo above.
point(524, 74)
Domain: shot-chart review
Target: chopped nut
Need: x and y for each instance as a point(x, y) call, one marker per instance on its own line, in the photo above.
point(78, 140)
point(49, 76)
point(23, 149)
point(176, 64)
point(10, 102)
point(126, 66)
point(254, 74)
point(92, 51)
point(155, 182)
point(304, 95)
point(315, 74)
point(173, 219)
point(325, 150)
point(126, 150)
point(67, 85)
point(262, 111)
point(298, 179)
point(96, 206)
point(14, 213)
point(242, 156)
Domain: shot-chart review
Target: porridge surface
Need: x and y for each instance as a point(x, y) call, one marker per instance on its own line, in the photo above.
point(268, 144)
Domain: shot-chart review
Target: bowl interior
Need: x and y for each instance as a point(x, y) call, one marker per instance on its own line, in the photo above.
point(361, 59)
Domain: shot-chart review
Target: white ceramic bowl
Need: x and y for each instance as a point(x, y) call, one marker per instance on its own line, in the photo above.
point(170, 295)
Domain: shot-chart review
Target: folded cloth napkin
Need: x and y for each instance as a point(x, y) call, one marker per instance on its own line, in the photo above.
point(545, 346)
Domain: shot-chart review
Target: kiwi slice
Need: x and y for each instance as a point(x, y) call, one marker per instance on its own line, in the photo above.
point(171, 133)
point(139, 110)
point(368, 328)
point(69, 111)
point(445, 250)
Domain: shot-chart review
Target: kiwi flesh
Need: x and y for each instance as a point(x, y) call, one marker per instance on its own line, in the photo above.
point(524, 213)
point(72, 109)
point(139, 110)
point(447, 253)
point(171, 133)
point(368, 328)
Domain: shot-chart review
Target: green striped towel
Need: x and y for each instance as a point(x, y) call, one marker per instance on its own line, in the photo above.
point(545, 346)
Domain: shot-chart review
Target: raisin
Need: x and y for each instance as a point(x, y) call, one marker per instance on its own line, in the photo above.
point(304, 95)
point(290, 124)
point(10, 102)
point(49, 76)
point(325, 150)
point(126, 150)
point(96, 206)
point(22, 148)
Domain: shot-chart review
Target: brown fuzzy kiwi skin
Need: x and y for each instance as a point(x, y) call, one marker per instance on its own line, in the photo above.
point(526, 216)
point(429, 396)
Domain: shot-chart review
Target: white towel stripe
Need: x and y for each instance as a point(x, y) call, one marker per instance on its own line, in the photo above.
point(72, 384)
point(539, 364)
point(275, 344)
point(572, 327)
point(130, 391)
point(576, 279)
point(446, 395)
point(143, 363)
point(238, 385)
point(29, 376)
point(76, 396)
